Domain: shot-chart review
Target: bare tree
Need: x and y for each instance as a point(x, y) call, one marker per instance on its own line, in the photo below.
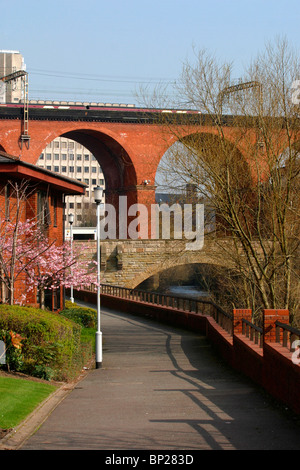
point(245, 164)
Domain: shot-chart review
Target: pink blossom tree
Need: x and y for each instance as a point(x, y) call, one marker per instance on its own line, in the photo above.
point(58, 266)
point(28, 257)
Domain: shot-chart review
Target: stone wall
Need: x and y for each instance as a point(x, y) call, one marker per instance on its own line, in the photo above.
point(127, 263)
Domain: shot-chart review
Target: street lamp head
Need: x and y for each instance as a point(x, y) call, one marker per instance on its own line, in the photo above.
point(71, 219)
point(98, 192)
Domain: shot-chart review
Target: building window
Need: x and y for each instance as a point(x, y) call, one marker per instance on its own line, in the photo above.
point(64, 169)
point(71, 156)
point(64, 156)
point(48, 156)
point(79, 157)
point(94, 169)
point(56, 169)
point(78, 169)
point(71, 169)
point(56, 156)
point(86, 158)
point(86, 169)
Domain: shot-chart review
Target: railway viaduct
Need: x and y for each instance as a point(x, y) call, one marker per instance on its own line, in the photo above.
point(128, 144)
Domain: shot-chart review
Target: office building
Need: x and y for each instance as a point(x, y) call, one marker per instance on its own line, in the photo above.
point(69, 158)
point(11, 91)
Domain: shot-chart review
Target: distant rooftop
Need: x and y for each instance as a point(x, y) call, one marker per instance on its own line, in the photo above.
point(71, 182)
point(3, 51)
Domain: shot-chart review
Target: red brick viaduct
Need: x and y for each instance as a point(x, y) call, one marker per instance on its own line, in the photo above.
point(128, 146)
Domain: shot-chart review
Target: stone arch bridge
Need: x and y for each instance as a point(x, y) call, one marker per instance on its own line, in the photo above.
point(128, 263)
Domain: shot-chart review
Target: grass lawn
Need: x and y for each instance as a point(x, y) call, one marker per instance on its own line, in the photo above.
point(18, 398)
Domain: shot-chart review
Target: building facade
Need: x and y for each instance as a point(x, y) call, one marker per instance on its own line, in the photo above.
point(10, 62)
point(69, 158)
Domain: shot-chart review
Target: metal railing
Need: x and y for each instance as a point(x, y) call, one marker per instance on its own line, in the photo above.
point(286, 335)
point(253, 332)
point(198, 306)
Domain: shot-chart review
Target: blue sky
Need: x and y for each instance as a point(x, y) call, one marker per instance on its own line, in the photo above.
point(102, 49)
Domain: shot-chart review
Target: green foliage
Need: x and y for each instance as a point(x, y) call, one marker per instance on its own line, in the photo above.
point(69, 304)
point(84, 316)
point(51, 347)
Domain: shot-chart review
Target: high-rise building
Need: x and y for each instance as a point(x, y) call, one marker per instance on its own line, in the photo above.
point(69, 158)
point(10, 62)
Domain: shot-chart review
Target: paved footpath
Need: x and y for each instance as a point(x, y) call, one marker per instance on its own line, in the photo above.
point(161, 388)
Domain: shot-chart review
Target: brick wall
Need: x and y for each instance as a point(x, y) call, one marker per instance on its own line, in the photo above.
point(28, 210)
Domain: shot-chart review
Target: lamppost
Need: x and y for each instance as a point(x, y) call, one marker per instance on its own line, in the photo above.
point(98, 191)
point(71, 220)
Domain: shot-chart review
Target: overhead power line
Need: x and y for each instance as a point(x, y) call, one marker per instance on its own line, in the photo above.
point(101, 78)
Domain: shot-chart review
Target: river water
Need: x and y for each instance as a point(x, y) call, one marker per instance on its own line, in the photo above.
point(191, 292)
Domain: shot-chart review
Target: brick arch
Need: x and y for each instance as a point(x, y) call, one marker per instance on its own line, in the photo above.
point(206, 137)
point(133, 143)
point(117, 166)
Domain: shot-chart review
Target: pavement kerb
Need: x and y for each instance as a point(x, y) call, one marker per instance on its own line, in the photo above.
point(15, 439)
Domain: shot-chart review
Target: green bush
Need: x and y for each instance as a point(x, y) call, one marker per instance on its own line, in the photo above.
point(51, 344)
point(84, 316)
point(87, 319)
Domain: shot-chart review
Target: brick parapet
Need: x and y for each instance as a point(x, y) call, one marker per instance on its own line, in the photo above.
point(270, 316)
point(238, 315)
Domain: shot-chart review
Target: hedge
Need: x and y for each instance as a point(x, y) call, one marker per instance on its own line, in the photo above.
point(84, 316)
point(51, 347)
